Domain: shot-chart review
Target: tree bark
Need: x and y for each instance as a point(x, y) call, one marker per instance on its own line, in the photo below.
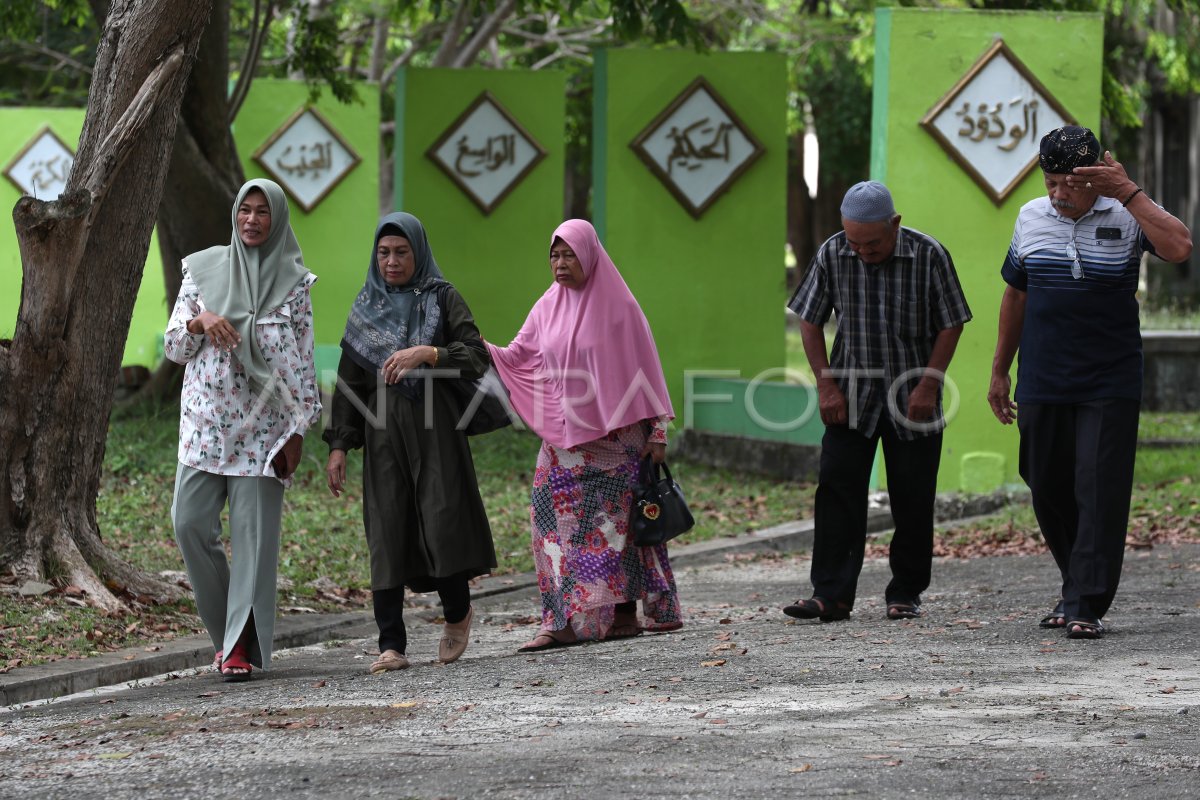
point(82, 257)
point(202, 180)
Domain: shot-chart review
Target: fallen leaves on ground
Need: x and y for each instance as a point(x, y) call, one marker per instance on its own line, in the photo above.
point(1148, 526)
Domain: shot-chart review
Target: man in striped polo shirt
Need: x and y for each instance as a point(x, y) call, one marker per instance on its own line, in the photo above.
point(1069, 307)
point(900, 310)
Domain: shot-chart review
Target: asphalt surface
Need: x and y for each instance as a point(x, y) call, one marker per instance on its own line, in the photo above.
point(972, 700)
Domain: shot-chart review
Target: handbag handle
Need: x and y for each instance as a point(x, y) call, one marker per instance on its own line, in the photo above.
point(648, 470)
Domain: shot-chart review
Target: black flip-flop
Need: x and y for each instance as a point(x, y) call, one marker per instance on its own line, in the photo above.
point(1084, 628)
point(900, 609)
point(1055, 619)
point(817, 608)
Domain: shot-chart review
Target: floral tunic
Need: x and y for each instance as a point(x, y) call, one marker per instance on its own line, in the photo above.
point(580, 514)
point(223, 427)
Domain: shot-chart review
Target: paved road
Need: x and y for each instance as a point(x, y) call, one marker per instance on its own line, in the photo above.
point(974, 700)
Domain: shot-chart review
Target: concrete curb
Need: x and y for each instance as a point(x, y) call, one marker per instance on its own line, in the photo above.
point(60, 678)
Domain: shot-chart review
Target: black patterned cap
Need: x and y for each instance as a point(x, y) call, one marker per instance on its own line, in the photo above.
point(1063, 149)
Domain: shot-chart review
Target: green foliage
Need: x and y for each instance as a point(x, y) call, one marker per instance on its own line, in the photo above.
point(317, 54)
point(47, 50)
point(660, 20)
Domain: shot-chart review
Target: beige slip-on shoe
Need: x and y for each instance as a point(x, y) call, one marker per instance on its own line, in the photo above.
point(389, 660)
point(455, 638)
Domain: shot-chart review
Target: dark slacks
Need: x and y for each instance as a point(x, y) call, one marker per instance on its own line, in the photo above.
point(1078, 462)
point(840, 535)
point(454, 592)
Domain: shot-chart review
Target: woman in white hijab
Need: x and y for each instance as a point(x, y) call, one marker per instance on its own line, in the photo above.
point(243, 327)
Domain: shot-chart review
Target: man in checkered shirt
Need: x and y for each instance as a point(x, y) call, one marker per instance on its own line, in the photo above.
point(900, 311)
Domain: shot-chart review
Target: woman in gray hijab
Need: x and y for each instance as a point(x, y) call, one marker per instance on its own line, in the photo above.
point(425, 522)
point(242, 326)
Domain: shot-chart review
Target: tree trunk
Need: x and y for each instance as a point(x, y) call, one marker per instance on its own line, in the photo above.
point(203, 179)
point(82, 257)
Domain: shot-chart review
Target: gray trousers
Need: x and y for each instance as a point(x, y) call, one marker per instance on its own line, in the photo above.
point(227, 592)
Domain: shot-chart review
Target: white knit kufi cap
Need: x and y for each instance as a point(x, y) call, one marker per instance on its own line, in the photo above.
point(868, 201)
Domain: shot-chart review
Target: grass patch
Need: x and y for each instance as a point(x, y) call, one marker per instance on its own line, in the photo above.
point(323, 558)
point(1163, 507)
point(1170, 319)
point(1184, 425)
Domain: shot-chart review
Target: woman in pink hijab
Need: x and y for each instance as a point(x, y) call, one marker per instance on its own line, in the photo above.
point(583, 372)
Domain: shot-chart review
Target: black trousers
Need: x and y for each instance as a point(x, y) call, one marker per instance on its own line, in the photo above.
point(840, 535)
point(454, 592)
point(1078, 462)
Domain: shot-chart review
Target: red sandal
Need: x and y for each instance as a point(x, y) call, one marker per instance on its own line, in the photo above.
point(236, 668)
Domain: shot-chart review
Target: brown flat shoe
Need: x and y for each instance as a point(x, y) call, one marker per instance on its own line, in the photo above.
point(389, 660)
point(455, 638)
point(548, 640)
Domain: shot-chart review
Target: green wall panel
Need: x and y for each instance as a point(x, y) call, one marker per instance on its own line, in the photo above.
point(17, 127)
point(499, 261)
point(755, 410)
point(336, 236)
point(713, 289)
point(920, 55)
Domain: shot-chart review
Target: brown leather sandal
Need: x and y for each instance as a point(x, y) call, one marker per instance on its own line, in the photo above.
point(389, 660)
point(549, 640)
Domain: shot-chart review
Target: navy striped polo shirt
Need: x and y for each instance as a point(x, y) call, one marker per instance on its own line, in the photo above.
point(1081, 338)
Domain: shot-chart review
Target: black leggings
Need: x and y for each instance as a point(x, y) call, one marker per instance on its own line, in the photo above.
point(455, 594)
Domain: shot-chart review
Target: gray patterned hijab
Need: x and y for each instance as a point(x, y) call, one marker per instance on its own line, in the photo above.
point(385, 318)
point(243, 283)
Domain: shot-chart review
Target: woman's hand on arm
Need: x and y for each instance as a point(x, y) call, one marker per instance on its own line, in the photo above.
point(400, 362)
point(335, 472)
point(216, 328)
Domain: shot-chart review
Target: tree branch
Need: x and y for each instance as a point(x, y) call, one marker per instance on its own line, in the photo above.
point(458, 24)
point(258, 32)
point(466, 56)
point(382, 27)
point(119, 142)
point(423, 38)
point(63, 59)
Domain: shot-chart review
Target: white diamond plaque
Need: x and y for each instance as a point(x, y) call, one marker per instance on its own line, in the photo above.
point(307, 157)
point(41, 168)
point(993, 120)
point(697, 147)
point(486, 152)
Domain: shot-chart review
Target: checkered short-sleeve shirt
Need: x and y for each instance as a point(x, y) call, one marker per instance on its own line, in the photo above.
point(888, 316)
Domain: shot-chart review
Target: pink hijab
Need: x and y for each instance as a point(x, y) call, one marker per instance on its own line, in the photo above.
point(584, 363)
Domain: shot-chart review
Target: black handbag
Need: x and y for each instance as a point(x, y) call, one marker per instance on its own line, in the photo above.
point(658, 512)
point(483, 403)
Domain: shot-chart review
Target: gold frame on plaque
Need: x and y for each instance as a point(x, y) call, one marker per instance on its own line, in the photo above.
point(658, 121)
point(997, 49)
point(280, 131)
point(12, 162)
point(539, 152)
